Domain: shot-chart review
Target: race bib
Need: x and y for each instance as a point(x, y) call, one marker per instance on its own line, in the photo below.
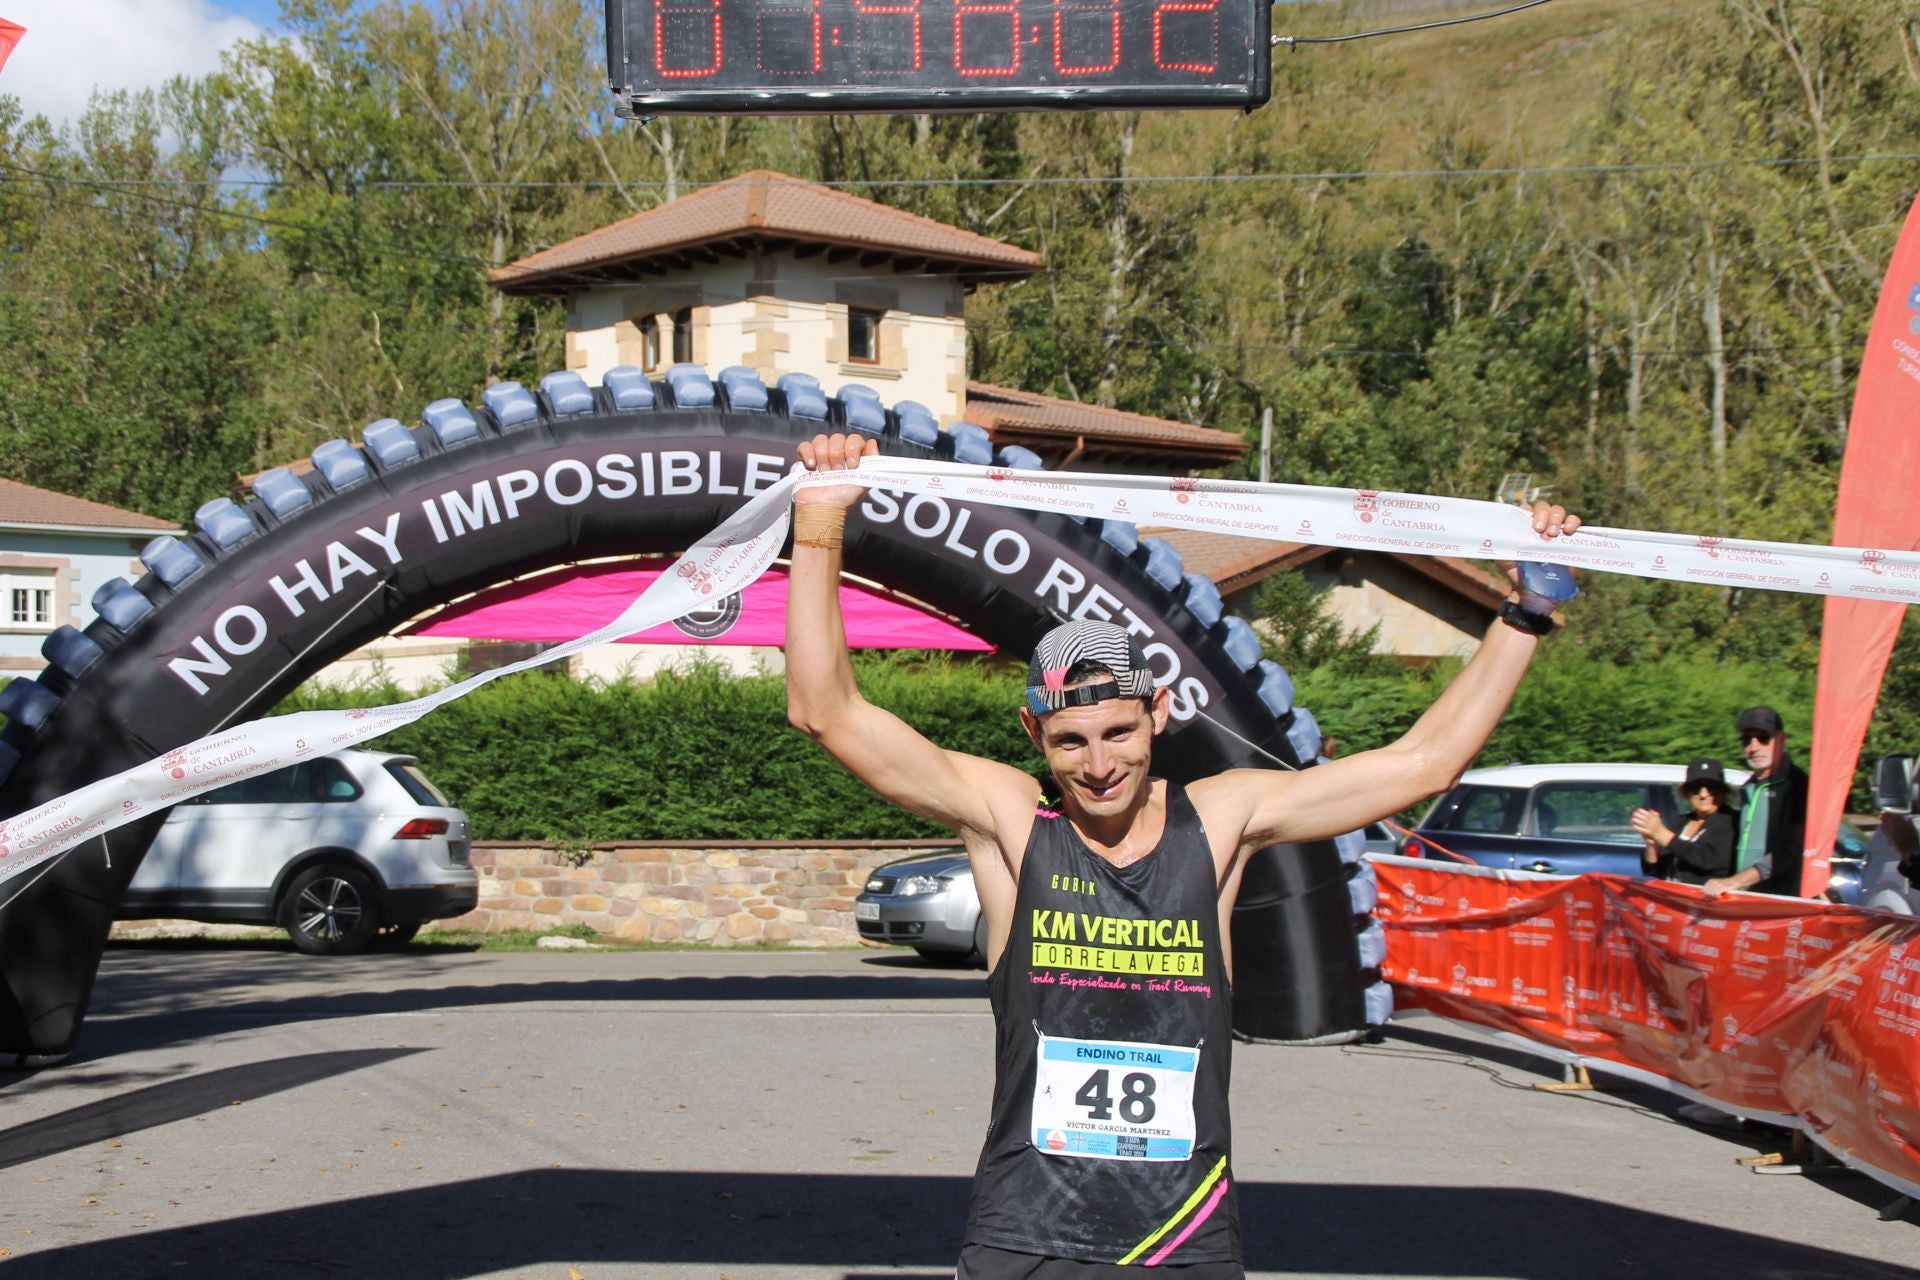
point(1113, 1099)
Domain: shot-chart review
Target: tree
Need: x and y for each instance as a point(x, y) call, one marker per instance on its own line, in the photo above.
point(1302, 633)
point(129, 312)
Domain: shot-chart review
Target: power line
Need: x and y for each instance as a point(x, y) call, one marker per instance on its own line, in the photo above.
point(263, 220)
point(588, 278)
point(1089, 180)
point(1292, 41)
point(467, 260)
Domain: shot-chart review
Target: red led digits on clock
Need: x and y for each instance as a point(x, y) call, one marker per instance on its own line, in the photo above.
point(789, 32)
point(875, 25)
point(986, 48)
point(1086, 21)
point(686, 22)
point(1171, 54)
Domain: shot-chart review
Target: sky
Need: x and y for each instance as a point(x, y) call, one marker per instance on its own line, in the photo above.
point(73, 45)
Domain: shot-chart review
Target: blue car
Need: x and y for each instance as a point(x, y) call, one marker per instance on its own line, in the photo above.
point(1572, 819)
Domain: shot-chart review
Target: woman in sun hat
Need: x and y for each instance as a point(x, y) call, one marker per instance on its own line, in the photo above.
point(1703, 846)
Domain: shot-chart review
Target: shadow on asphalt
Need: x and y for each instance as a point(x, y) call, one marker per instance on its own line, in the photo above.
point(1646, 1100)
point(144, 1009)
point(179, 1099)
point(1440, 1037)
point(584, 1217)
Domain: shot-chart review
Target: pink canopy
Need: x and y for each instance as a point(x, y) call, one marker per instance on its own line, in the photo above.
point(560, 606)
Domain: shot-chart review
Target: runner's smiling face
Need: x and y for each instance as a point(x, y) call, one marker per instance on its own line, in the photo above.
point(1100, 754)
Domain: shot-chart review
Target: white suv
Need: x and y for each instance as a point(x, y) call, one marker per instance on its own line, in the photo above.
point(339, 850)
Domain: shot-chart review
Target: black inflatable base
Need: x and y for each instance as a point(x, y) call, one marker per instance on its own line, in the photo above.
point(534, 487)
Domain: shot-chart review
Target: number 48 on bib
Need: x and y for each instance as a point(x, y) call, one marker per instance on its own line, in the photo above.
point(1114, 1099)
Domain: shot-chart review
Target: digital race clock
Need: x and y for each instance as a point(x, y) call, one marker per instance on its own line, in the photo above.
point(818, 56)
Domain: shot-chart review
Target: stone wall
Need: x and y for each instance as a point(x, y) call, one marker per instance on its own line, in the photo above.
point(728, 895)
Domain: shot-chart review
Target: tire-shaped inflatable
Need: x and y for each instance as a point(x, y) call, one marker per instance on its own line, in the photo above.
point(261, 596)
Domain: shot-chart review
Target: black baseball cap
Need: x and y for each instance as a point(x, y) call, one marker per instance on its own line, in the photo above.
point(1761, 719)
point(1071, 643)
point(1702, 770)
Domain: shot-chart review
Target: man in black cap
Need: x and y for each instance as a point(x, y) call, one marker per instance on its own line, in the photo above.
point(1107, 909)
point(1773, 818)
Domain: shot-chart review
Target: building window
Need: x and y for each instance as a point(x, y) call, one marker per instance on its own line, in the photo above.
point(683, 336)
point(28, 596)
point(650, 343)
point(863, 336)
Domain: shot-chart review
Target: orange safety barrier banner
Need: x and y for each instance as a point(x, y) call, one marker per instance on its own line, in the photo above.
point(1799, 1013)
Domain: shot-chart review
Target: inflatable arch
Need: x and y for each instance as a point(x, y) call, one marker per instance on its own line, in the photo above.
point(230, 619)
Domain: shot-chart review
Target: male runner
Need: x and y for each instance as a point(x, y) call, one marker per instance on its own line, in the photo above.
point(1107, 910)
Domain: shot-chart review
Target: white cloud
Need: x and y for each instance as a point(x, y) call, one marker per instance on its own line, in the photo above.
point(73, 46)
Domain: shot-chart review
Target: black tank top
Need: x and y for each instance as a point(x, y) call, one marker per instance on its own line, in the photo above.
point(1113, 1028)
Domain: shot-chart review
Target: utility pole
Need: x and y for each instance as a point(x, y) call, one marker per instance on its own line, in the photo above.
point(1266, 444)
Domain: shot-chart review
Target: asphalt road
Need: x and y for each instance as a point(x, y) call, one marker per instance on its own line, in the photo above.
point(240, 1112)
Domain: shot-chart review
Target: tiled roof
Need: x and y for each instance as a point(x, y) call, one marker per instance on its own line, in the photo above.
point(1009, 415)
point(1020, 417)
point(1235, 563)
point(23, 504)
point(768, 206)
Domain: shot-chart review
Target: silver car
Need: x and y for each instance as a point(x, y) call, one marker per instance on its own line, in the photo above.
point(339, 850)
point(928, 903)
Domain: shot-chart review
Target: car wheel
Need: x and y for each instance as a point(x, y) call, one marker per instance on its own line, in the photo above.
point(399, 935)
point(331, 910)
point(979, 955)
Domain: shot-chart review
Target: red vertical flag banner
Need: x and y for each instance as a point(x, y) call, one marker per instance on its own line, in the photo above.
point(1883, 448)
point(10, 33)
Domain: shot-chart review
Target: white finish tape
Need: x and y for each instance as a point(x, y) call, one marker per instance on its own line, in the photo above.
point(747, 543)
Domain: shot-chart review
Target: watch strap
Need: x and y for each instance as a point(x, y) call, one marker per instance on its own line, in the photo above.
point(1534, 624)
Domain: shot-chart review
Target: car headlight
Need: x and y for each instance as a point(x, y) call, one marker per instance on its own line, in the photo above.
point(918, 886)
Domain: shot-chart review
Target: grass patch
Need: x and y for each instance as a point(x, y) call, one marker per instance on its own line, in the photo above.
point(436, 940)
point(529, 940)
point(252, 940)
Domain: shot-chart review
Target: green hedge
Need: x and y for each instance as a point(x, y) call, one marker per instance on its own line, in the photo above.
point(1575, 707)
point(694, 755)
point(702, 754)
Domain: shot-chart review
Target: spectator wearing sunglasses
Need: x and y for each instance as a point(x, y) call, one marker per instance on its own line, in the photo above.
point(1702, 848)
point(1773, 818)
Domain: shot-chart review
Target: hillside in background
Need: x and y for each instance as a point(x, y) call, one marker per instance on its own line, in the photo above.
point(1522, 77)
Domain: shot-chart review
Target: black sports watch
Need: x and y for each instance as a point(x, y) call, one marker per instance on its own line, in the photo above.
point(1534, 624)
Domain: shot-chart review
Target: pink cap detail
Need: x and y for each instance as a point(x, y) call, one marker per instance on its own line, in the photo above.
point(1055, 678)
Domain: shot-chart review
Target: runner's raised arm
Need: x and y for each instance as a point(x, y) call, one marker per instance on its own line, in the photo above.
point(1342, 795)
point(966, 794)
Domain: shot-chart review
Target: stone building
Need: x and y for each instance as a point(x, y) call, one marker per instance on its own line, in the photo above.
point(55, 552)
point(782, 276)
